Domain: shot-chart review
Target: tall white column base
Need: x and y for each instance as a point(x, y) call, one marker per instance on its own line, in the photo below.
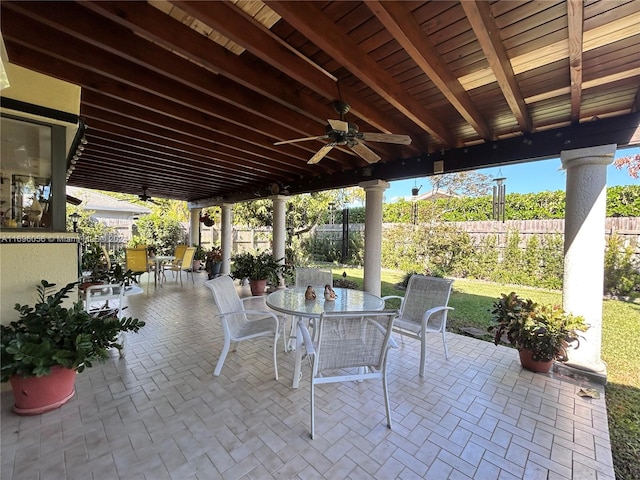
point(374, 190)
point(279, 230)
point(226, 237)
point(584, 245)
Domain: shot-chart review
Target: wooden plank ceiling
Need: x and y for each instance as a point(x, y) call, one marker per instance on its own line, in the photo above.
point(187, 98)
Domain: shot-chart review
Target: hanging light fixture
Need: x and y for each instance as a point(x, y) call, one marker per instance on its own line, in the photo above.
point(499, 198)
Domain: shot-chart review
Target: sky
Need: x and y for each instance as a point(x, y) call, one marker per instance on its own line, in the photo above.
point(531, 177)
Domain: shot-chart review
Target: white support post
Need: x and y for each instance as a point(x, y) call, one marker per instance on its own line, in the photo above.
point(194, 226)
point(584, 245)
point(279, 229)
point(374, 190)
point(226, 239)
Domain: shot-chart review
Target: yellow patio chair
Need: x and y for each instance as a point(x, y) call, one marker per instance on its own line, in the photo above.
point(137, 260)
point(185, 263)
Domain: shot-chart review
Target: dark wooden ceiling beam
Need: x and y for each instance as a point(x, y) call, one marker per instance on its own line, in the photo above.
point(221, 152)
point(575, 16)
point(102, 144)
point(76, 73)
point(484, 26)
point(170, 128)
point(311, 22)
point(228, 20)
point(119, 42)
point(398, 20)
point(194, 126)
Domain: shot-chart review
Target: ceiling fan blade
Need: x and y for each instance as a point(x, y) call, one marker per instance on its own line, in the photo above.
point(320, 154)
point(339, 125)
point(305, 139)
point(365, 152)
point(385, 137)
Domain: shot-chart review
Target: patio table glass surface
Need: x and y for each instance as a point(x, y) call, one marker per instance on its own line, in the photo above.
point(291, 301)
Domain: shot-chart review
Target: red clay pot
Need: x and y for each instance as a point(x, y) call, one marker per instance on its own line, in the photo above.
point(534, 365)
point(35, 395)
point(257, 287)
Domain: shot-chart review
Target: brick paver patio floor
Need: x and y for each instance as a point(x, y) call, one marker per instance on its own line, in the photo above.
point(159, 413)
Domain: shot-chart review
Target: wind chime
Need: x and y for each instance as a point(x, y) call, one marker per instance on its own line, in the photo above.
point(499, 198)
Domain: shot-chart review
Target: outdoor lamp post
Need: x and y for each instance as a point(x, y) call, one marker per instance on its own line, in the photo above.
point(74, 218)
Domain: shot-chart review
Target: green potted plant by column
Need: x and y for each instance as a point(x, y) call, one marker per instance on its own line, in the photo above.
point(213, 262)
point(259, 268)
point(199, 257)
point(541, 333)
point(42, 352)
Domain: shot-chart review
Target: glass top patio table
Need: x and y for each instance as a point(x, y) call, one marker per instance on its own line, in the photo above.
point(291, 301)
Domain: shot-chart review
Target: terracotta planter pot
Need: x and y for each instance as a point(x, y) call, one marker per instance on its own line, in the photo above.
point(35, 395)
point(534, 365)
point(258, 287)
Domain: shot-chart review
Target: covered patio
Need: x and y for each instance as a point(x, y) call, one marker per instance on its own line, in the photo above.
point(160, 413)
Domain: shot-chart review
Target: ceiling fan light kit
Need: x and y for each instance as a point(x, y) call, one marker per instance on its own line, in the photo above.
point(343, 133)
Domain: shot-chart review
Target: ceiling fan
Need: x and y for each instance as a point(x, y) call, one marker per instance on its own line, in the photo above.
point(143, 197)
point(340, 132)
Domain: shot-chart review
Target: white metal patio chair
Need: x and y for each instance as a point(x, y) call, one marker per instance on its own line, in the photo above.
point(424, 310)
point(106, 300)
point(239, 323)
point(350, 346)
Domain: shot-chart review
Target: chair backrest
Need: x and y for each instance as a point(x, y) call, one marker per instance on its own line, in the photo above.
point(353, 339)
point(225, 294)
point(136, 259)
point(316, 277)
point(179, 253)
point(187, 258)
point(423, 293)
point(99, 300)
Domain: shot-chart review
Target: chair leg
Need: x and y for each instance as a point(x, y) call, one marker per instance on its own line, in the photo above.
point(312, 408)
point(180, 275)
point(223, 356)
point(275, 356)
point(385, 391)
point(423, 353)
point(444, 342)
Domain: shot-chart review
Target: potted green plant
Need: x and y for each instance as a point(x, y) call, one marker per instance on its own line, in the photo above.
point(541, 333)
point(259, 268)
point(198, 257)
point(43, 350)
point(213, 262)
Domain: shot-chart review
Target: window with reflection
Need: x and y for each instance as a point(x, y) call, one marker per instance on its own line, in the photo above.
point(25, 169)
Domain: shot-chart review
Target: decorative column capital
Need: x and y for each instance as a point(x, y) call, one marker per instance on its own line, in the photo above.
point(600, 155)
point(381, 185)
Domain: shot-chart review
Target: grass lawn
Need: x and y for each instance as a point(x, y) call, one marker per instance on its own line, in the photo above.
point(472, 300)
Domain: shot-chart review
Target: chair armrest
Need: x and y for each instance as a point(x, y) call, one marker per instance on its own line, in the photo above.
point(389, 297)
point(426, 315)
point(306, 338)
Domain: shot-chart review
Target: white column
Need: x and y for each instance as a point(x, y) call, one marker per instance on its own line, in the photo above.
point(194, 226)
point(374, 190)
point(279, 229)
point(226, 237)
point(584, 244)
